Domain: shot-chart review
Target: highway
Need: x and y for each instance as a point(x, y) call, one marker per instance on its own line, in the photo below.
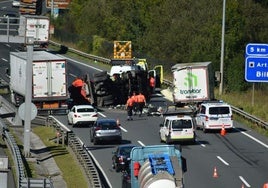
point(240, 157)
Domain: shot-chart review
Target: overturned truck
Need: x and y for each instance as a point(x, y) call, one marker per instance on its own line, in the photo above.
point(125, 77)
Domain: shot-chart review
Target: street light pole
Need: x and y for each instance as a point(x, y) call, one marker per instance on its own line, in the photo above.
point(28, 96)
point(52, 9)
point(222, 46)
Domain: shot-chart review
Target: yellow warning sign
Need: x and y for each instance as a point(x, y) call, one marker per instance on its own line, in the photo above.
point(122, 50)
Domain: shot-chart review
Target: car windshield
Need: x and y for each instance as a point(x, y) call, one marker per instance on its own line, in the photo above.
point(219, 110)
point(85, 110)
point(108, 125)
point(126, 151)
point(182, 123)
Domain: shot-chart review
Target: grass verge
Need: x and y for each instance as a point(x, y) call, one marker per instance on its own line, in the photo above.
point(70, 168)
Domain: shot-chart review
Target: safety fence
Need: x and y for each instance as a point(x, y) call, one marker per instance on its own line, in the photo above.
point(65, 136)
point(22, 181)
point(168, 83)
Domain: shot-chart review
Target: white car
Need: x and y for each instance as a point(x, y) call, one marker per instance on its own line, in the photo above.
point(178, 128)
point(214, 115)
point(15, 3)
point(82, 115)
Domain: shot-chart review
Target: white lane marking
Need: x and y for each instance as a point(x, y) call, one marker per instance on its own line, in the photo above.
point(255, 139)
point(123, 129)
point(224, 162)
point(73, 75)
point(141, 143)
point(244, 181)
point(81, 63)
point(203, 145)
point(4, 59)
point(98, 164)
point(102, 114)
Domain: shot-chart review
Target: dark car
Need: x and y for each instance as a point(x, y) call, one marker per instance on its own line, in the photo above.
point(121, 157)
point(105, 130)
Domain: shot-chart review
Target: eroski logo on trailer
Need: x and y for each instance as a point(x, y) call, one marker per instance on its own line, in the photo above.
point(190, 81)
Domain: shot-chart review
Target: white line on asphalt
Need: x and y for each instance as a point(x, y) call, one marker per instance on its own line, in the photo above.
point(98, 164)
point(102, 114)
point(123, 129)
point(73, 75)
point(81, 63)
point(244, 181)
point(141, 143)
point(4, 59)
point(224, 162)
point(255, 139)
point(203, 145)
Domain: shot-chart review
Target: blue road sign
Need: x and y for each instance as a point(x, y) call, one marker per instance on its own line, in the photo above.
point(256, 69)
point(255, 49)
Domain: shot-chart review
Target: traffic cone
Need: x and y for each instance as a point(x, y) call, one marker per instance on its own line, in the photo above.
point(223, 131)
point(215, 174)
point(118, 122)
point(265, 185)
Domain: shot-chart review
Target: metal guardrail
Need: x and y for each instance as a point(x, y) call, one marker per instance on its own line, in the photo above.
point(250, 117)
point(78, 148)
point(168, 83)
point(64, 136)
point(22, 180)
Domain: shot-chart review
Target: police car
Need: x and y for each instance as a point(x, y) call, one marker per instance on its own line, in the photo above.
point(214, 115)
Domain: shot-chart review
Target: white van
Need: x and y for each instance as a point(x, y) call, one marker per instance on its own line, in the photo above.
point(214, 115)
point(177, 128)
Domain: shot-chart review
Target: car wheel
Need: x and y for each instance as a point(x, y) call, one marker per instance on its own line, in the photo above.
point(113, 165)
point(95, 141)
point(91, 138)
point(167, 140)
point(117, 168)
point(204, 129)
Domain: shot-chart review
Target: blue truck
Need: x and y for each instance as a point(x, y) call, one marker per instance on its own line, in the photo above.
point(156, 166)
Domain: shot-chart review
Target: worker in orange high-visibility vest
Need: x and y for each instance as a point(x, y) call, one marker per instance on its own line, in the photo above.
point(129, 108)
point(141, 102)
point(152, 84)
point(135, 102)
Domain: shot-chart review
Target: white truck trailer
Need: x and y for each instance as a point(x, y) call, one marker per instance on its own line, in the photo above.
point(193, 83)
point(37, 27)
point(49, 88)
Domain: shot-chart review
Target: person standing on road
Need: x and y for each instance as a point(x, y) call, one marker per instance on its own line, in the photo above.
point(141, 102)
point(152, 84)
point(129, 108)
point(135, 102)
